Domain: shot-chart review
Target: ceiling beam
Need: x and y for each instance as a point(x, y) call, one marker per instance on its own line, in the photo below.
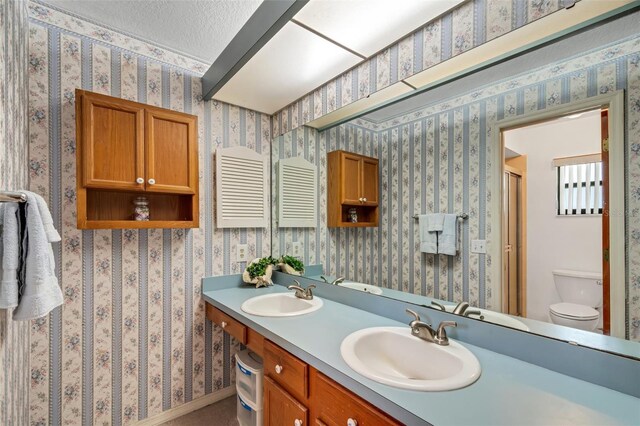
point(265, 22)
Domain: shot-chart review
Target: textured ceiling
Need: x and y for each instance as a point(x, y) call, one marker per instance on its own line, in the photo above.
point(198, 28)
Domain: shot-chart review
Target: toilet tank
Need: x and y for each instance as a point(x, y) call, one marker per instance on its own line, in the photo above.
point(583, 288)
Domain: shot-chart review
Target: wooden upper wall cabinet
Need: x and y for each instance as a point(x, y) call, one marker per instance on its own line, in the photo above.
point(126, 150)
point(112, 143)
point(171, 152)
point(352, 181)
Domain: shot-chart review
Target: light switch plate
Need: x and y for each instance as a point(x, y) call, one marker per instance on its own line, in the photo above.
point(296, 249)
point(242, 253)
point(479, 246)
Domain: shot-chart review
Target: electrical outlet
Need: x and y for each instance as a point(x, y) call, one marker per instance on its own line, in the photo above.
point(479, 246)
point(242, 253)
point(296, 249)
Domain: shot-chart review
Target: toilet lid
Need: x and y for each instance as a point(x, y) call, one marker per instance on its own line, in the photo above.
point(574, 311)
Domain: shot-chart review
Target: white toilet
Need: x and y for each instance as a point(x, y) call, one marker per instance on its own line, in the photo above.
point(581, 293)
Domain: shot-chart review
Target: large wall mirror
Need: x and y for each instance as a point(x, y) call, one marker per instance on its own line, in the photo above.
point(514, 189)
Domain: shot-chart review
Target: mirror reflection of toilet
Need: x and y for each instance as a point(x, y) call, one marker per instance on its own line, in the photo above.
point(581, 294)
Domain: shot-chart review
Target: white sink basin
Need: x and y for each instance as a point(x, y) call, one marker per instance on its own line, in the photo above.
point(280, 305)
point(367, 288)
point(392, 356)
point(495, 318)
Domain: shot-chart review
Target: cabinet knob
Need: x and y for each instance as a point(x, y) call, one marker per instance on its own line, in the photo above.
point(151, 181)
point(360, 199)
point(297, 422)
point(223, 324)
point(352, 422)
point(140, 181)
point(278, 369)
point(364, 199)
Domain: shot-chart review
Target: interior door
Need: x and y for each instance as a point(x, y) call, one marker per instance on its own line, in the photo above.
point(111, 142)
point(511, 230)
point(606, 271)
point(351, 179)
point(171, 155)
point(370, 181)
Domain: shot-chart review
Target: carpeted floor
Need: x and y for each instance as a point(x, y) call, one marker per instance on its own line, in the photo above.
point(221, 413)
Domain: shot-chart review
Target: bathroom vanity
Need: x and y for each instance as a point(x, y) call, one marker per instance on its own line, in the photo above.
point(295, 391)
point(307, 378)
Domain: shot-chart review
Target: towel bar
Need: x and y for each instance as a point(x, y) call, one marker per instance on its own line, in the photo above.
point(462, 216)
point(12, 197)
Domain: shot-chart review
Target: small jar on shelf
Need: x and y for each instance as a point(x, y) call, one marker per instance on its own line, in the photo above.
point(141, 209)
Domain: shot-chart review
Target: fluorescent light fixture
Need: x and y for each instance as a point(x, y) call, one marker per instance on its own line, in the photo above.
point(293, 63)
point(368, 26)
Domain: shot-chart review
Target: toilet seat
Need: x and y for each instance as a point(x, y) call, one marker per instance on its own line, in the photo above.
point(574, 311)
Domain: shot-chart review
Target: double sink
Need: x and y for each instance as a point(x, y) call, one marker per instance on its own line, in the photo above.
point(389, 355)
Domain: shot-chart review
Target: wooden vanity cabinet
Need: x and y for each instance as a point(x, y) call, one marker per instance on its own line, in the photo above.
point(280, 408)
point(126, 150)
point(352, 182)
point(333, 405)
point(293, 390)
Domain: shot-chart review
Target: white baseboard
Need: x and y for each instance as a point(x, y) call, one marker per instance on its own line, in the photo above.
point(181, 410)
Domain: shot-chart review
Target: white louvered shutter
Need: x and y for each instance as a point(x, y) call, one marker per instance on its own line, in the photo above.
point(297, 200)
point(241, 188)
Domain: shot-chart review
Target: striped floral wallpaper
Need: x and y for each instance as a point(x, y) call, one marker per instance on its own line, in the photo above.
point(131, 340)
point(14, 336)
point(438, 159)
point(469, 25)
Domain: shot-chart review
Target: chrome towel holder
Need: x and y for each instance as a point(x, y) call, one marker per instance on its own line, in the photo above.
point(12, 197)
point(463, 216)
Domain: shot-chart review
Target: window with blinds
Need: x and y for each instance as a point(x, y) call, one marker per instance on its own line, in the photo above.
point(579, 181)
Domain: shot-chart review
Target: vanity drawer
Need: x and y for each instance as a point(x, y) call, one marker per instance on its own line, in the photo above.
point(286, 370)
point(334, 406)
point(228, 324)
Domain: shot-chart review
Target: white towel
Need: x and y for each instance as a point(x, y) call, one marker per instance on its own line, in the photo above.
point(448, 238)
point(41, 293)
point(10, 255)
point(435, 222)
point(47, 220)
point(428, 240)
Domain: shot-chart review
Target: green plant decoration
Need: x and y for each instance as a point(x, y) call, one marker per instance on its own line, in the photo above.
point(258, 268)
point(291, 265)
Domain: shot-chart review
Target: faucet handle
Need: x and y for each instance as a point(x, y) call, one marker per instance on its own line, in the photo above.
point(441, 334)
point(414, 314)
point(438, 305)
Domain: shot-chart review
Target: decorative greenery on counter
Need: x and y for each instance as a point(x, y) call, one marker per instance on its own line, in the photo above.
point(291, 265)
point(259, 271)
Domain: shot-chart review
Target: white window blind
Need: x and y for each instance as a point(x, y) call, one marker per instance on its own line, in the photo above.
point(297, 201)
point(241, 188)
point(579, 189)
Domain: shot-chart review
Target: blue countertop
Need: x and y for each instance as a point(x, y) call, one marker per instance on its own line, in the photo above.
point(509, 391)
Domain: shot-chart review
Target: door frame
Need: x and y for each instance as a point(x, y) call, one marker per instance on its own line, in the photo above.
point(614, 102)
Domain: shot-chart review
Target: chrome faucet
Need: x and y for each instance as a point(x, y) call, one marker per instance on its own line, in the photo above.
point(463, 309)
point(337, 281)
point(425, 332)
point(301, 292)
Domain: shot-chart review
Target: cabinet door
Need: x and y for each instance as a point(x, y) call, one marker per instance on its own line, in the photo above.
point(370, 181)
point(111, 142)
point(333, 405)
point(171, 155)
point(280, 408)
point(351, 179)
